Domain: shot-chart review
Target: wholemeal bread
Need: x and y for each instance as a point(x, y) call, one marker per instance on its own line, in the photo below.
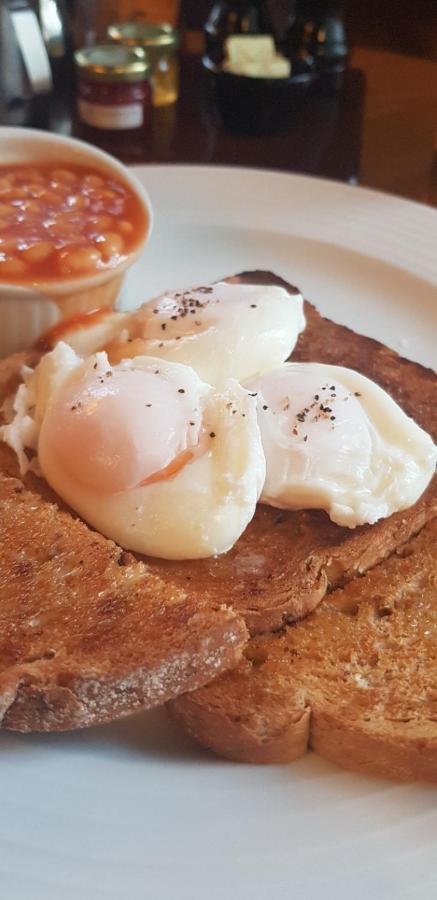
point(285, 562)
point(356, 680)
point(90, 633)
point(87, 632)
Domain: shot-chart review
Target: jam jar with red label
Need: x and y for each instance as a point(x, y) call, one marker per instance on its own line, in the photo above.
point(113, 87)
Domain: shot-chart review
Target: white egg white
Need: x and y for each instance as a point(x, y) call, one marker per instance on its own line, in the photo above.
point(334, 440)
point(222, 331)
point(202, 510)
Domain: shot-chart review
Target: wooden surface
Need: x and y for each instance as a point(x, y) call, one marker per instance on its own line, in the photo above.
point(379, 131)
point(399, 124)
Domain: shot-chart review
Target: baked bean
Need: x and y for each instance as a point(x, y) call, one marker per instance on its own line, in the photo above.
point(79, 259)
point(125, 227)
point(14, 195)
point(110, 244)
point(50, 198)
point(32, 207)
point(28, 173)
point(38, 252)
point(12, 266)
point(93, 181)
point(101, 223)
point(77, 201)
point(8, 246)
point(64, 175)
point(36, 190)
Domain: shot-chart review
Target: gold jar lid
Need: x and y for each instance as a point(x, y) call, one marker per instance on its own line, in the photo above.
point(149, 35)
point(113, 62)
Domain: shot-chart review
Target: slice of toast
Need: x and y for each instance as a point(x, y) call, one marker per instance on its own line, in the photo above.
point(356, 680)
point(279, 570)
point(87, 632)
point(285, 562)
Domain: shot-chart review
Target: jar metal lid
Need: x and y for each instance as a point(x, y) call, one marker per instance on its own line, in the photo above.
point(149, 35)
point(113, 62)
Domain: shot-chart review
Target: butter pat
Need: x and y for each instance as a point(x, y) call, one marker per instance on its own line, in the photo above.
point(255, 56)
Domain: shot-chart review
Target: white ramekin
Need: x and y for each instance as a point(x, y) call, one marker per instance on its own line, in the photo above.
point(26, 311)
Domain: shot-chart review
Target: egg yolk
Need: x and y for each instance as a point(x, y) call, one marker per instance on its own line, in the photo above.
point(117, 429)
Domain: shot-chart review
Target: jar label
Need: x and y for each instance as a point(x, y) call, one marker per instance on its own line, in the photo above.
point(129, 115)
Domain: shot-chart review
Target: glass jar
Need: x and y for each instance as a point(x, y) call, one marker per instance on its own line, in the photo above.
point(160, 43)
point(113, 87)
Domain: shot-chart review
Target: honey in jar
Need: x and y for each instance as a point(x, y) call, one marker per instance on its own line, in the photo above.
point(160, 43)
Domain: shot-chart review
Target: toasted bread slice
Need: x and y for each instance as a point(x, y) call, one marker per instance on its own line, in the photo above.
point(285, 562)
point(279, 570)
point(356, 680)
point(88, 634)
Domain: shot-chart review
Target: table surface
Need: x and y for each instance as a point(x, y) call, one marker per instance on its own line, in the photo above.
point(378, 131)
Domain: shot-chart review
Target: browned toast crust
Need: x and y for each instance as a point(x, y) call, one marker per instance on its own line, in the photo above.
point(356, 680)
point(88, 634)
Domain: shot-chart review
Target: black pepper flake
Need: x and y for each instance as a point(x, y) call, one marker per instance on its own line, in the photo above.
point(160, 344)
point(192, 423)
point(181, 390)
point(305, 438)
point(244, 415)
point(253, 305)
point(212, 434)
point(156, 372)
point(316, 396)
point(95, 366)
point(148, 404)
point(178, 337)
point(357, 394)
point(265, 406)
point(332, 418)
point(163, 326)
point(301, 416)
point(332, 388)
point(234, 411)
point(108, 374)
point(174, 318)
point(129, 340)
point(254, 394)
point(229, 405)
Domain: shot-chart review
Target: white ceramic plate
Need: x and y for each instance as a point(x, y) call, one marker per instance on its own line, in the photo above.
point(132, 811)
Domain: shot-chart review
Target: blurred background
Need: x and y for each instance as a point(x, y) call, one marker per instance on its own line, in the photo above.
point(350, 94)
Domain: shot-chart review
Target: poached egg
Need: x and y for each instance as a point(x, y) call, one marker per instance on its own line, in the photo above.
point(334, 440)
point(223, 330)
point(144, 451)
